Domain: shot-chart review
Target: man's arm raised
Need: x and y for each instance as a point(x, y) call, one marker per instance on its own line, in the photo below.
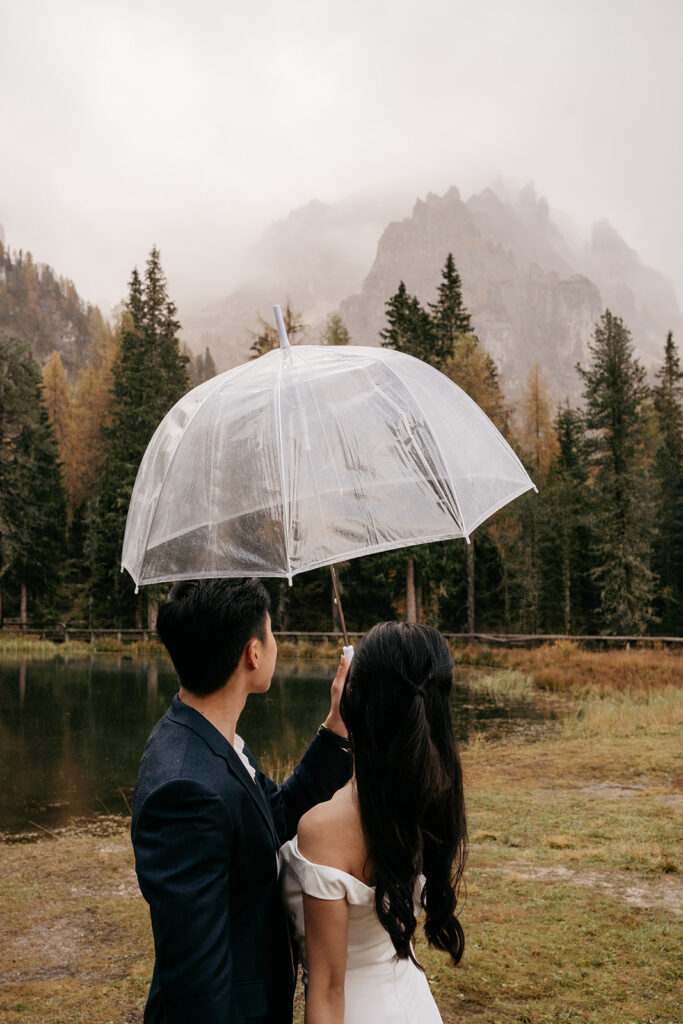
point(326, 766)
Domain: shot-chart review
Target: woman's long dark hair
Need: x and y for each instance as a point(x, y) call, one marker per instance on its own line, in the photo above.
point(409, 780)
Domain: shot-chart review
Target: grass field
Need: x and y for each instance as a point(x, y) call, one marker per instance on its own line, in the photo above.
point(572, 911)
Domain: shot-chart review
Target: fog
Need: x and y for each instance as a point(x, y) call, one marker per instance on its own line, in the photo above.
point(194, 125)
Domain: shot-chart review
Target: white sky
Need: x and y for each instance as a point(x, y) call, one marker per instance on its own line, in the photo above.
point(192, 125)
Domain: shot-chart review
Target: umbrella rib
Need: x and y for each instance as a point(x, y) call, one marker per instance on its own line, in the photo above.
point(283, 482)
point(440, 451)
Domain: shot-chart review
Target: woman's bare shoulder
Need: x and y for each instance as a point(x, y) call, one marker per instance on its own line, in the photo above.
point(330, 833)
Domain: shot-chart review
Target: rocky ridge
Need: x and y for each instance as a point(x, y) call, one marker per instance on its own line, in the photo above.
point(534, 293)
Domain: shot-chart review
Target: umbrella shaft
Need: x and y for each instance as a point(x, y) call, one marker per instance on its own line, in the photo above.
point(339, 604)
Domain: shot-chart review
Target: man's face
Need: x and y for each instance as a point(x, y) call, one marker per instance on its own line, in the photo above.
point(267, 649)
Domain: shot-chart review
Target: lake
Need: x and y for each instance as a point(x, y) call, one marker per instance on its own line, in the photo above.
point(71, 733)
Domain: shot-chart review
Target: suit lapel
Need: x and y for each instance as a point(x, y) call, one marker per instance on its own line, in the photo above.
point(191, 719)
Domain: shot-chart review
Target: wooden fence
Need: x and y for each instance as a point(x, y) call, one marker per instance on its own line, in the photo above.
point(60, 632)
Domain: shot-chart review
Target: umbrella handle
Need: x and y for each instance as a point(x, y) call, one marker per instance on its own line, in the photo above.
point(339, 604)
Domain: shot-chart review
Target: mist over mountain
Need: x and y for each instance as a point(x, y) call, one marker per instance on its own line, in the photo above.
point(534, 287)
point(317, 255)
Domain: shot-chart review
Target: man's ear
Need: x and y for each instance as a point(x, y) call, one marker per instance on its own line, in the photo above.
point(252, 652)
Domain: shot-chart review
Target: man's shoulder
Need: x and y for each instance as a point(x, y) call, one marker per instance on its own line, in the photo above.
point(175, 754)
point(179, 770)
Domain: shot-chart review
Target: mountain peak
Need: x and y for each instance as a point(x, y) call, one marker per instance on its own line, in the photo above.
point(532, 294)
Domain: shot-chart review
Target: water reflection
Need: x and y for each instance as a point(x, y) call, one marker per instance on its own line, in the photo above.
point(71, 733)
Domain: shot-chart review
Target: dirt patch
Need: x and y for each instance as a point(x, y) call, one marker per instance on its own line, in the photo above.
point(49, 949)
point(665, 894)
point(646, 788)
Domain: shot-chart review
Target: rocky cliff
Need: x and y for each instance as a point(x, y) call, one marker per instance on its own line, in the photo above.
point(534, 293)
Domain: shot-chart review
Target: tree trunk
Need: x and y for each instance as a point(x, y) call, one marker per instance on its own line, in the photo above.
point(567, 588)
point(506, 597)
point(470, 587)
point(152, 614)
point(282, 609)
point(24, 618)
point(138, 611)
point(411, 609)
point(419, 612)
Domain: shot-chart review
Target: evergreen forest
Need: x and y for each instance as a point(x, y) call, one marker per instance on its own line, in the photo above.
point(599, 548)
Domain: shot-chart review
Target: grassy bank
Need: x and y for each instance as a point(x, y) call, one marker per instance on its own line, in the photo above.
point(563, 667)
point(19, 646)
point(26, 645)
point(568, 669)
point(573, 901)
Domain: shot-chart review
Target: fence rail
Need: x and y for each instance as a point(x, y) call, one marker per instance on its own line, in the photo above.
point(62, 631)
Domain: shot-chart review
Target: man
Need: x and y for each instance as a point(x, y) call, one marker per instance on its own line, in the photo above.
point(207, 824)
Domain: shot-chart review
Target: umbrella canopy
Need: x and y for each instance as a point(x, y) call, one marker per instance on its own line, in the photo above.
point(309, 456)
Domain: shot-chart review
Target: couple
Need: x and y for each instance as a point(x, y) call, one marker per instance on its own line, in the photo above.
point(372, 821)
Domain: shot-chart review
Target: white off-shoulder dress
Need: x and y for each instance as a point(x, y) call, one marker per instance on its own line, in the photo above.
point(378, 987)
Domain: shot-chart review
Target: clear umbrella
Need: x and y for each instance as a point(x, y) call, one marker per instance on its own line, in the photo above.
point(309, 456)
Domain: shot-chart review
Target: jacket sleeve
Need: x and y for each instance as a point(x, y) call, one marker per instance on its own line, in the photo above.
point(182, 855)
point(323, 770)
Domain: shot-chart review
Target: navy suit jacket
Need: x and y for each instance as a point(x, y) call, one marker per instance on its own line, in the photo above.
point(206, 837)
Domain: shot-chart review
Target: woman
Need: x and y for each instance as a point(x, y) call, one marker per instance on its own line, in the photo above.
point(391, 841)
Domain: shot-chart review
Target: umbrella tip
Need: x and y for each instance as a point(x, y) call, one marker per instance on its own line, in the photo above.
point(280, 324)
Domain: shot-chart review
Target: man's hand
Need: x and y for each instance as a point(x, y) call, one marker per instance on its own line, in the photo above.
point(333, 722)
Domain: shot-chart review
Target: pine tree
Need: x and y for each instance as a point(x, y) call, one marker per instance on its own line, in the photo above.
point(410, 328)
point(201, 367)
point(537, 430)
point(539, 440)
point(149, 376)
point(336, 332)
point(668, 550)
point(32, 500)
point(92, 396)
point(450, 318)
point(615, 394)
point(566, 541)
point(537, 444)
point(59, 405)
point(209, 369)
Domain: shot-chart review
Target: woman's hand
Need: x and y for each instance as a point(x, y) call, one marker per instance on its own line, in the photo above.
point(333, 722)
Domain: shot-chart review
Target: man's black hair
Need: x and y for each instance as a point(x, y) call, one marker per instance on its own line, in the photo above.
point(205, 626)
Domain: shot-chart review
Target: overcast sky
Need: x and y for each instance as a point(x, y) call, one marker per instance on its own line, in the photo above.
point(192, 125)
